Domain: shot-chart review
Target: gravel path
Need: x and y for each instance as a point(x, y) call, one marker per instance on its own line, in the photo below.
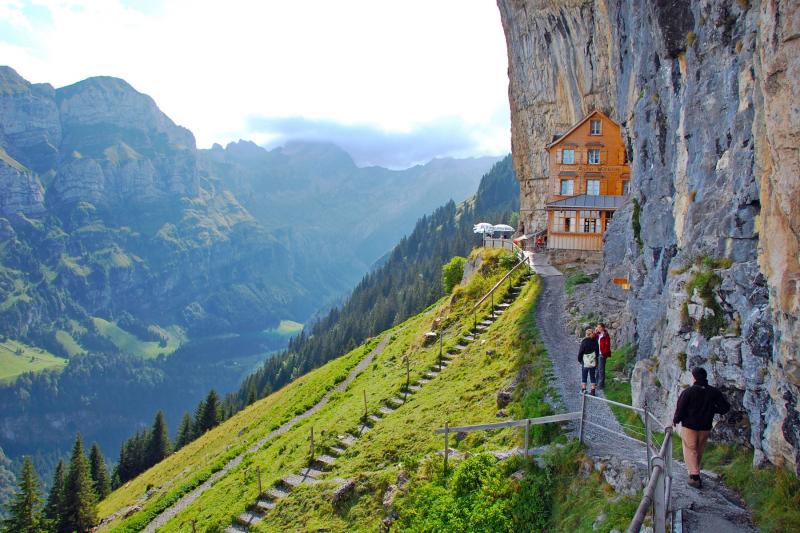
point(189, 498)
point(714, 508)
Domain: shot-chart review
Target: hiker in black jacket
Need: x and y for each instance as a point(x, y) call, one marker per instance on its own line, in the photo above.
point(588, 354)
point(696, 408)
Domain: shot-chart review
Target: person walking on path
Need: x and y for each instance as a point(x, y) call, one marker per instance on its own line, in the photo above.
point(695, 411)
point(588, 354)
point(604, 342)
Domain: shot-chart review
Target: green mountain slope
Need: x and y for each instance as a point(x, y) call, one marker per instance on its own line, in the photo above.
point(463, 392)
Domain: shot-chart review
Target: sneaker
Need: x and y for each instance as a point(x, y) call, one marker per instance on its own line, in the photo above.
point(694, 481)
point(583, 391)
point(594, 392)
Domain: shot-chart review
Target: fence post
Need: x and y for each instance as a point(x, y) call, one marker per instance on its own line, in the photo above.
point(446, 450)
point(365, 407)
point(311, 451)
point(441, 341)
point(659, 501)
point(527, 431)
point(258, 473)
point(493, 304)
point(408, 376)
point(583, 415)
point(194, 523)
point(647, 440)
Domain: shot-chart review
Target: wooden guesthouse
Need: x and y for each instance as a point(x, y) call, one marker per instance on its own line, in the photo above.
point(588, 182)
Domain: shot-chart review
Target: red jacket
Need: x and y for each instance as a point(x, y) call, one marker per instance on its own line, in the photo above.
point(605, 344)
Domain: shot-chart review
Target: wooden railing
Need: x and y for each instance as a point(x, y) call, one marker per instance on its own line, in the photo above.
point(658, 492)
point(490, 294)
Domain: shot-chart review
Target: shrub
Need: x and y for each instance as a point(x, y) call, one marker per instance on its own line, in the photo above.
point(452, 273)
point(636, 223)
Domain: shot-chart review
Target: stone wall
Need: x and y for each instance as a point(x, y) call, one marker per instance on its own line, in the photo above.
point(705, 92)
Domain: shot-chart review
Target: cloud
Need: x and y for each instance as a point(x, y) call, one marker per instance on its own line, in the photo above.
point(371, 145)
point(406, 67)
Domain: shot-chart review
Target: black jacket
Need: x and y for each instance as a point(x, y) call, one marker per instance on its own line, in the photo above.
point(588, 345)
point(697, 406)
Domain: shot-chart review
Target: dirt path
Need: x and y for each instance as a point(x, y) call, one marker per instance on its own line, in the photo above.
point(714, 508)
point(189, 498)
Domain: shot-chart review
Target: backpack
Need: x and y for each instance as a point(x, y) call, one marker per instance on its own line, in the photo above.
point(590, 360)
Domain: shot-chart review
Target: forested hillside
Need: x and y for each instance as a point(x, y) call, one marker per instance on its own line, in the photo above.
point(406, 283)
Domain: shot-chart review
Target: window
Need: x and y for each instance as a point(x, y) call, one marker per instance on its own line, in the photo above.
point(594, 156)
point(625, 186)
point(593, 187)
point(568, 156)
point(595, 127)
point(590, 225)
point(562, 221)
point(567, 187)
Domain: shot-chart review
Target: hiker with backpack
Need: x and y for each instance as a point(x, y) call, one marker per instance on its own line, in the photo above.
point(588, 354)
point(604, 342)
point(695, 411)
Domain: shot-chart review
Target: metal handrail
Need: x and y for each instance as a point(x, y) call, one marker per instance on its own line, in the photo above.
point(659, 489)
point(474, 307)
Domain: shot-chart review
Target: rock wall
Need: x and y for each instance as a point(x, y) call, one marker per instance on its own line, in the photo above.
point(706, 94)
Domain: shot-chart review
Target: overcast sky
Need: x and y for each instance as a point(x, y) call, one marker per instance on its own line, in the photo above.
point(393, 82)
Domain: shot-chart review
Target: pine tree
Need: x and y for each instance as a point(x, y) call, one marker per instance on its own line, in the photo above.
point(211, 413)
point(54, 509)
point(198, 419)
point(185, 432)
point(26, 508)
point(159, 446)
point(80, 512)
point(99, 471)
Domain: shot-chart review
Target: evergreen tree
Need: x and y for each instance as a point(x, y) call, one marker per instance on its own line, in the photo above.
point(185, 432)
point(198, 419)
point(99, 471)
point(26, 508)
point(158, 446)
point(54, 509)
point(212, 412)
point(80, 512)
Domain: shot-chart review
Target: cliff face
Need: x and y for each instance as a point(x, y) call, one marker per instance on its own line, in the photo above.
point(706, 93)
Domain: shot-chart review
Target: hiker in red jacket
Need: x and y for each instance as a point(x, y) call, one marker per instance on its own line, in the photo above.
point(696, 408)
point(604, 342)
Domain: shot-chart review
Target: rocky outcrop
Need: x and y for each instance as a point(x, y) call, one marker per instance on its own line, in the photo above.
point(706, 94)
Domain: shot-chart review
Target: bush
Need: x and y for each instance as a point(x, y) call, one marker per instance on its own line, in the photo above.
point(452, 273)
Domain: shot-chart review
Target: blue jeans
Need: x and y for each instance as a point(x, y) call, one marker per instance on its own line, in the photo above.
point(592, 374)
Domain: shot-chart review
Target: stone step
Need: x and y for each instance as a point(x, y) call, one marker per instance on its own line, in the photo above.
point(265, 506)
point(360, 430)
point(481, 327)
point(275, 493)
point(311, 472)
point(486, 322)
point(347, 440)
point(386, 410)
point(398, 401)
point(469, 338)
point(248, 518)
point(336, 450)
point(431, 374)
point(295, 480)
point(460, 347)
point(414, 388)
point(326, 461)
point(423, 381)
point(235, 528)
point(376, 418)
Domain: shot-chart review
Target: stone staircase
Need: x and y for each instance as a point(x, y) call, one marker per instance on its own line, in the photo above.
point(323, 464)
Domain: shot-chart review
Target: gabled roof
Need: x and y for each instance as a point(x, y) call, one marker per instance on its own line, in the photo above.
point(588, 201)
point(573, 128)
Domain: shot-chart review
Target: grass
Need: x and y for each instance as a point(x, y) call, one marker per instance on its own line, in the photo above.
point(193, 464)
point(576, 278)
point(16, 358)
point(71, 347)
point(773, 493)
point(400, 441)
point(288, 328)
point(132, 345)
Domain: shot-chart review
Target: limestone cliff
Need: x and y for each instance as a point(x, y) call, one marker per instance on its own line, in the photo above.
point(706, 93)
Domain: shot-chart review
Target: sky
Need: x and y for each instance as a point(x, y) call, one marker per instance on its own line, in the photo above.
point(393, 82)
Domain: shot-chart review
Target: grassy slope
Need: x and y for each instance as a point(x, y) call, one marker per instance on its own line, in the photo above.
point(409, 429)
point(30, 359)
point(131, 344)
point(194, 463)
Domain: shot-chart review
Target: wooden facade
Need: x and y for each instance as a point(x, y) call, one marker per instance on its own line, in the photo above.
point(589, 176)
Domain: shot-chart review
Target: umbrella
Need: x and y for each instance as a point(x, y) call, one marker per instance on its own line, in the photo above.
point(503, 228)
point(482, 227)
